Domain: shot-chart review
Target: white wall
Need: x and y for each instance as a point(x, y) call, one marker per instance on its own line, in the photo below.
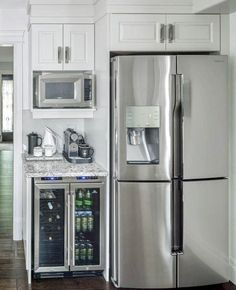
point(233, 147)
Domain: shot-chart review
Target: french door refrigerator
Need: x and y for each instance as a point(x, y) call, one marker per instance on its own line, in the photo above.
point(169, 171)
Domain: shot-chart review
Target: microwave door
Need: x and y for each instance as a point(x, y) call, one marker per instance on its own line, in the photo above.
point(60, 92)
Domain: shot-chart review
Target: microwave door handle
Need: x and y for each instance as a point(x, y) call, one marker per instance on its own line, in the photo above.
point(60, 54)
point(67, 54)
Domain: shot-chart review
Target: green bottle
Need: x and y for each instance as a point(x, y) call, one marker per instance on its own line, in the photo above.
point(88, 201)
point(79, 199)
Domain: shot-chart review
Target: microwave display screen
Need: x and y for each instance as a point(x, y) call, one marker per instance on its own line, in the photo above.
point(55, 91)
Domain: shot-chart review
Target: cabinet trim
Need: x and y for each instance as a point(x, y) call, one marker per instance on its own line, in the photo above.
point(63, 113)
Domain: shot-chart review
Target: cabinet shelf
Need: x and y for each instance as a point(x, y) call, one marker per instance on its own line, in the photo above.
point(63, 113)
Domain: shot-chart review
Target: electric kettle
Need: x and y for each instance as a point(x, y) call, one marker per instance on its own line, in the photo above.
point(50, 140)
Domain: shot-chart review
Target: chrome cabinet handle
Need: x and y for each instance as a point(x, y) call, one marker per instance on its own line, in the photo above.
point(171, 33)
point(60, 54)
point(162, 33)
point(67, 54)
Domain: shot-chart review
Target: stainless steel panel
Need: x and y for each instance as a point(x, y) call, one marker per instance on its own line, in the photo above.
point(143, 81)
point(205, 116)
point(144, 257)
point(102, 242)
point(37, 268)
point(205, 258)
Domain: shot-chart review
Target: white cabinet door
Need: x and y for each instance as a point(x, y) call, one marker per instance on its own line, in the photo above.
point(47, 47)
point(140, 32)
point(193, 33)
point(79, 47)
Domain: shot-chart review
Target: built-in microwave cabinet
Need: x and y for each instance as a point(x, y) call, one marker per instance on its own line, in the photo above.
point(62, 47)
point(155, 32)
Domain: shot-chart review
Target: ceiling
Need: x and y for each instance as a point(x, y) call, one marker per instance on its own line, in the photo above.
point(12, 4)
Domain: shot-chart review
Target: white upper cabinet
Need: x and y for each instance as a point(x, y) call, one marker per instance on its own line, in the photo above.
point(79, 47)
point(193, 32)
point(137, 32)
point(47, 50)
point(62, 47)
point(154, 32)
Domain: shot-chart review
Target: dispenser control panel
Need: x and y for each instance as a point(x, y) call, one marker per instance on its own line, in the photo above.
point(143, 117)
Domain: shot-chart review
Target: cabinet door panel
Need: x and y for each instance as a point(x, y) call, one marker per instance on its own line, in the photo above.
point(46, 42)
point(137, 32)
point(79, 47)
point(194, 32)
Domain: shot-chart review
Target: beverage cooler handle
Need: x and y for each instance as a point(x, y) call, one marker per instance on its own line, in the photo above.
point(68, 228)
point(73, 227)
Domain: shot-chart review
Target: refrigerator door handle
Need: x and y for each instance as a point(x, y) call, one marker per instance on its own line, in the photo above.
point(177, 126)
point(114, 232)
point(185, 95)
point(177, 218)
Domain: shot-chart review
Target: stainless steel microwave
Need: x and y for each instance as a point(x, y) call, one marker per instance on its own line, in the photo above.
point(64, 90)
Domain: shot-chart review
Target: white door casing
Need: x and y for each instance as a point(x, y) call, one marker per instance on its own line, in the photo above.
point(16, 40)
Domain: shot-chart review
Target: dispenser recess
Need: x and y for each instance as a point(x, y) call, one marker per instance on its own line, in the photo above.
point(142, 142)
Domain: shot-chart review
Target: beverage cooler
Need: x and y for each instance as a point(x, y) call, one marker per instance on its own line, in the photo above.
point(69, 223)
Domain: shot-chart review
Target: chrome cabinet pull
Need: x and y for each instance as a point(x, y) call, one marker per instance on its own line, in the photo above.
point(60, 54)
point(162, 33)
point(67, 54)
point(171, 33)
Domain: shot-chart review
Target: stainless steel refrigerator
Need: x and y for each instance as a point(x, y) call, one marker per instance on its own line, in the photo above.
point(169, 152)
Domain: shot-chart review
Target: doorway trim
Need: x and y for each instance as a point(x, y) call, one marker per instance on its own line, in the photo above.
point(16, 39)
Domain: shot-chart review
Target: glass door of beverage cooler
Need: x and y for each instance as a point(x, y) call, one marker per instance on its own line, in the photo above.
point(51, 228)
point(87, 234)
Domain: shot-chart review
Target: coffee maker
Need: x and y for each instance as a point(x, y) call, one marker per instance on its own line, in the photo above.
point(75, 148)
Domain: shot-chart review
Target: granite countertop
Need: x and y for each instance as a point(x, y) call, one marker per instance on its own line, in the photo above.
point(62, 168)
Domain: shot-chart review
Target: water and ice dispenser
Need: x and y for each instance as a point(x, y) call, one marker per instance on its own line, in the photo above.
point(142, 126)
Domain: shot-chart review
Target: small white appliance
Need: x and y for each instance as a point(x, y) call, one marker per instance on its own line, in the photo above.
point(50, 140)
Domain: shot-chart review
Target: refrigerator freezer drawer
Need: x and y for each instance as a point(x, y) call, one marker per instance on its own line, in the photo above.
point(205, 258)
point(143, 224)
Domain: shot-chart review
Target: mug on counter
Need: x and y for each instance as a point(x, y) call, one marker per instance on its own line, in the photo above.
point(48, 150)
point(85, 151)
point(38, 151)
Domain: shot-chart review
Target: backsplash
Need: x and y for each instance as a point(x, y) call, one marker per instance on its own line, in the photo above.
point(57, 125)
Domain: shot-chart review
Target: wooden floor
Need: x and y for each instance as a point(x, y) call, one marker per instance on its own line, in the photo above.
point(12, 264)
